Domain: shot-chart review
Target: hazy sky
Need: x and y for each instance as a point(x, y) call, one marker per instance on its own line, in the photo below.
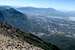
point(57, 4)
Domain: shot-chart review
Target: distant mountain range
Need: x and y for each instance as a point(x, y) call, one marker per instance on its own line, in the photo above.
point(45, 11)
point(42, 22)
point(41, 11)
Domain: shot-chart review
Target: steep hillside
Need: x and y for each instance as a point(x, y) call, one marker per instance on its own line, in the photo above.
point(10, 41)
point(14, 39)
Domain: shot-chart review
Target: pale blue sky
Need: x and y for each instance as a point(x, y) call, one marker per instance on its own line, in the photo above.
point(57, 4)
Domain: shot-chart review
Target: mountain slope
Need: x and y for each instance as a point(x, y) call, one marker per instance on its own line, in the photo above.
point(12, 38)
point(10, 41)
